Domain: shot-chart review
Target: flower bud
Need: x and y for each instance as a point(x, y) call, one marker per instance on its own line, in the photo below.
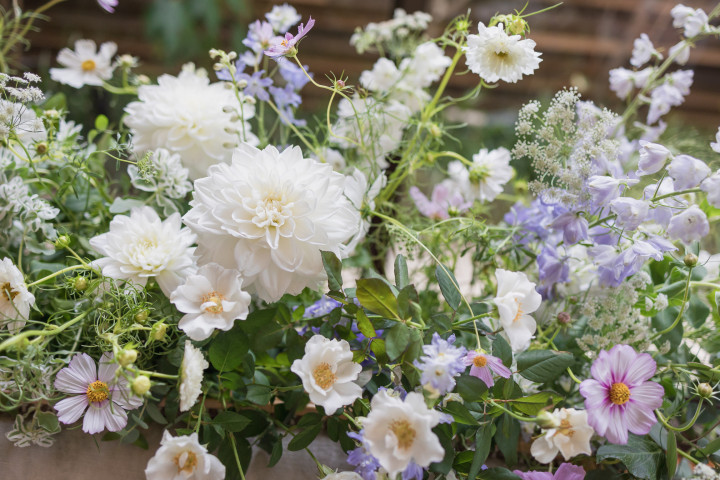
point(41, 148)
point(141, 385)
point(142, 316)
point(127, 357)
point(705, 390)
point(546, 420)
point(158, 331)
point(435, 131)
point(63, 241)
point(339, 84)
point(690, 260)
point(563, 318)
point(142, 80)
point(80, 283)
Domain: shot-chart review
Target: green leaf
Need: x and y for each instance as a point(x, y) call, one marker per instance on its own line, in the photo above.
point(448, 286)
point(101, 122)
point(502, 350)
point(122, 205)
point(506, 437)
point(378, 348)
point(460, 413)
point(483, 441)
point(259, 394)
point(642, 457)
point(470, 388)
point(375, 295)
point(671, 457)
point(277, 451)
point(397, 340)
point(543, 365)
point(364, 325)
point(404, 299)
point(532, 404)
point(697, 312)
point(231, 421)
point(48, 421)
point(333, 268)
point(304, 438)
point(154, 413)
point(401, 272)
point(228, 349)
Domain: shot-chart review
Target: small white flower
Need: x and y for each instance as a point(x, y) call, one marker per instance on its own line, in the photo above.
point(515, 299)
point(652, 158)
point(643, 51)
point(716, 144)
point(426, 66)
point(495, 55)
point(681, 52)
point(15, 299)
point(212, 299)
point(282, 17)
point(142, 246)
point(269, 215)
point(361, 194)
point(398, 432)
point(571, 436)
point(693, 21)
point(330, 156)
point(622, 82)
point(183, 458)
point(168, 177)
point(86, 65)
point(191, 376)
point(485, 179)
point(711, 186)
point(327, 372)
point(382, 78)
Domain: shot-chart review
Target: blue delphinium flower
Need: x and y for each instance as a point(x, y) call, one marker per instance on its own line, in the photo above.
point(293, 75)
point(322, 307)
point(441, 363)
point(412, 472)
point(224, 74)
point(256, 85)
point(286, 98)
point(574, 227)
point(365, 464)
point(551, 270)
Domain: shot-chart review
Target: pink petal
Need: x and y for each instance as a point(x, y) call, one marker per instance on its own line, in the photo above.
point(568, 471)
point(483, 373)
point(94, 421)
point(622, 358)
point(642, 368)
point(599, 417)
point(76, 377)
point(497, 366)
point(106, 372)
point(114, 417)
point(649, 395)
point(595, 393)
point(71, 409)
point(639, 419)
point(601, 369)
point(124, 397)
point(617, 431)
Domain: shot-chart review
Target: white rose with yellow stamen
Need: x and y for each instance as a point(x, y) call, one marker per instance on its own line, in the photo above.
point(183, 457)
point(15, 299)
point(571, 436)
point(516, 298)
point(327, 372)
point(398, 432)
point(86, 65)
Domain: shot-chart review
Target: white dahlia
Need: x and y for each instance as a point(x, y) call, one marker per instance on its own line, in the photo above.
point(487, 176)
point(327, 372)
point(495, 55)
point(142, 246)
point(190, 116)
point(86, 65)
point(269, 215)
point(15, 299)
point(398, 432)
point(191, 376)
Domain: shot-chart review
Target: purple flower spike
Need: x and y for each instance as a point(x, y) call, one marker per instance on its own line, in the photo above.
point(619, 397)
point(286, 46)
point(483, 366)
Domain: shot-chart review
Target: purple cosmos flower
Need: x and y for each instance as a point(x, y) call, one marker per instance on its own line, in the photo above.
point(689, 226)
point(96, 390)
point(483, 366)
point(286, 46)
point(260, 36)
point(224, 74)
point(444, 201)
point(566, 471)
point(108, 5)
point(619, 397)
point(441, 363)
point(573, 227)
point(366, 465)
point(687, 172)
point(256, 85)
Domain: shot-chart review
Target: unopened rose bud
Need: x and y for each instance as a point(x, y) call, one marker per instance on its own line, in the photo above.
point(690, 260)
point(563, 318)
point(80, 283)
point(63, 241)
point(705, 390)
point(141, 385)
point(127, 357)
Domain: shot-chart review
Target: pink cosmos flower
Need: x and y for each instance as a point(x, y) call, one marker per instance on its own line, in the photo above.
point(484, 365)
point(105, 397)
point(566, 471)
point(108, 5)
point(284, 46)
point(620, 397)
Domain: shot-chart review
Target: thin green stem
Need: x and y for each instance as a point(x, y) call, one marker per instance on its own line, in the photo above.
point(684, 428)
point(53, 275)
point(15, 339)
point(682, 309)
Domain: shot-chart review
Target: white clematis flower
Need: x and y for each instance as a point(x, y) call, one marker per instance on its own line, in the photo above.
point(191, 376)
point(327, 372)
point(495, 55)
point(15, 299)
point(269, 215)
point(86, 65)
point(212, 299)
point(142, 246)
point(570, 436)
point(398, 432)
point(516, 298)
point(190, 116)
point(183, 458)
point(486, 178)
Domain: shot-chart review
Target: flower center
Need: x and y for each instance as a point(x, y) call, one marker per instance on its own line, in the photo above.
point(619, 393)
point(404, 433)
point(480, 361)
point(271, 212)
point(88, 65)
point(186, 462)
point(478, 173)
point(97, 392)
point(7, 291)
point(324, 376)
point(519, 312)
point(212, 302)
point(566, 429)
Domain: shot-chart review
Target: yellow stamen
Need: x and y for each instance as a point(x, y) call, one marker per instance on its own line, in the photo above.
point(324, 376)
point(404, 433)
point(619, 393)
point(480, 361)
point(216, 298)
point(186, 462)
point(88, 65)
point(7, 291)
point(97, 392)
point(566, 429)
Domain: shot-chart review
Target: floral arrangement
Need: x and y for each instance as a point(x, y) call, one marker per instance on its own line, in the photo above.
point(241, 273)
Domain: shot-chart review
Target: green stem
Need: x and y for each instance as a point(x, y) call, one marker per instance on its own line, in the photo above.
point(688, 426)
point(41, 333)
point(704, 284)
point(511, 413)
point(53, 275)
point(682, 309)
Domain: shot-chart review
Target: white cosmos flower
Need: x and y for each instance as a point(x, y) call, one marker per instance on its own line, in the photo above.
point(571, 436)
point(486, 178)
point(15, 299)
point(86, 65)
point(142, 246)
point(516, 298)
point(183, 458)
point(398, 432)
point(328, 373)
point(191, 376)
point(212, 298)
point(495, 55)
point(269, 215)
point(190, 116)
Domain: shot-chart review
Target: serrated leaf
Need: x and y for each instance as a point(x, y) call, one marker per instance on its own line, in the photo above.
point(231, 421)
point(401, 272)
point(228, 349)
point(304, 438)
point(642, 457)
point(333, 268)
point(448, 286)
point(543, 365)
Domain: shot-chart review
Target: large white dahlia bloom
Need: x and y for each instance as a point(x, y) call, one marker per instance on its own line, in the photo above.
point(269, 215)
point(191, 116)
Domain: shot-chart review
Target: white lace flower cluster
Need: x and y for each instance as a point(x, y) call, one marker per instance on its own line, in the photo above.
point(22, 212)
point(162, 173)
point(401, 27)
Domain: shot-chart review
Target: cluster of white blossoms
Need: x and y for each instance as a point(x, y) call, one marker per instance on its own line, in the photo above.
point(269, 215)
point(188, 115)
point(15, 299)
point(516, 299)
point(86, 65)
point(402, 25)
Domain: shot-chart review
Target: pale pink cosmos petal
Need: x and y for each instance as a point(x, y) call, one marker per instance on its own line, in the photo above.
point(617, 429)
point(106, 372)
point(639, 419)
point(71, 409)
point(114, 417)
point(594, 392)
point(621, 358)
point(648, 394)
point(94, 421)
point(76, 377)
point(641, 368)
point(497, 366)
point(600, 369)
point(123, 396)
point(483, 373)
point(568, 471)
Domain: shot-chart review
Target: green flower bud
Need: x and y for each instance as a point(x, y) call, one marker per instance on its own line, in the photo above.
point(690, 260)
point(127, 357)
point(158, 331)
point(63, 241)
point(141, 385)
point(705, 390)
point(80, 283)
point(546, 420)
point(142, 316)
